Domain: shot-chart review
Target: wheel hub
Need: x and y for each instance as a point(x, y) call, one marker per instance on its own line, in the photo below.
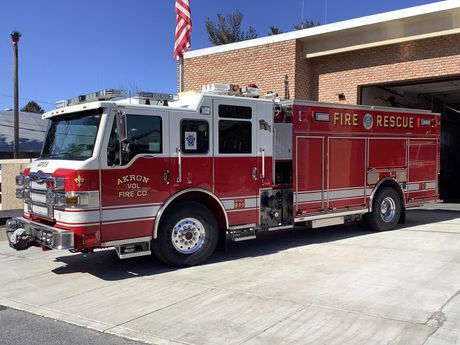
point(188, 235)
point(387, 209)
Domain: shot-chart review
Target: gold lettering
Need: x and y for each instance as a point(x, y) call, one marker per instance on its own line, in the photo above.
point(379, 121)
point(392, 121)
point(355, 120)
point(385, 121)
point(405, 122)
point(129, 194)
point(398, 121)
point(336, 118)
point(130, 178)
point(411, 122)
point(347, 119)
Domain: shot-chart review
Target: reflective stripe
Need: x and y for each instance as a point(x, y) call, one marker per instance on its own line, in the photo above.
point(309, 196)
point(430, 185)
point(129, 206)
point(76, 225)
point(229, 204)
point(346, 193)
point(77, 217)
point(129, 220)
point(415, 186)
point(316, 196)
point(138, 212)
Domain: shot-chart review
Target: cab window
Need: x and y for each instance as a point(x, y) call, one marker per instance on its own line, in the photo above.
point(194, 136)
point(235, 129)
point(144, 136)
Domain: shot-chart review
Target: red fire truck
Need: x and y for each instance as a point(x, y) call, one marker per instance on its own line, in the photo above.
point(170, 175)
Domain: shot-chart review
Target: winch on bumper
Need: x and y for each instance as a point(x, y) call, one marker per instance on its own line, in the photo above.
point(23, 233)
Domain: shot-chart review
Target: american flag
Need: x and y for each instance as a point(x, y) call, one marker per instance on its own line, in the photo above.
point(183, 27)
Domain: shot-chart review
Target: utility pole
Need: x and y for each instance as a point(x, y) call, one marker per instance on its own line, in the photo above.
point(15, 35)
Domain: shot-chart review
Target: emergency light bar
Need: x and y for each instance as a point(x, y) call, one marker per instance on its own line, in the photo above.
point(155, 96)
point(102, 95)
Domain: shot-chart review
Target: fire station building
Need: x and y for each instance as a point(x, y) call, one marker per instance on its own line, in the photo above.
point(406, 58)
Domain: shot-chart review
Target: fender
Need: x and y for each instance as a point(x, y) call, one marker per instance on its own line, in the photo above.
point(178, 194)
point(393, 182)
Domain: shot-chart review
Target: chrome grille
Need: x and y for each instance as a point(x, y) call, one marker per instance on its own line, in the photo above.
point(40, 203)
point(38, 197)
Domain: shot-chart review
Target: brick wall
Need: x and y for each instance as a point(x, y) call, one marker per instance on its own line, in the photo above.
point(415, 60)
point(9, 169)
point(264, 65)
point(322, 78)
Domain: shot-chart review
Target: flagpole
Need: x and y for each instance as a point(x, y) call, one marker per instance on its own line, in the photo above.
point(181, 73)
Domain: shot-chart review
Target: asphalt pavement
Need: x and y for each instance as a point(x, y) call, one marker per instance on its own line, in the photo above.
point(337, 285)
point(19, 328)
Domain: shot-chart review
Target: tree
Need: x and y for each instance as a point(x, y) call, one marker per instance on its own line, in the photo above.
point(306, 24)
point(33, 107)
point(274, 31)
point(228, 29)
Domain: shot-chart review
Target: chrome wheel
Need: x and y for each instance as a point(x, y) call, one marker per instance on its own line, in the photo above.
point(387, 209)
point(188, 235)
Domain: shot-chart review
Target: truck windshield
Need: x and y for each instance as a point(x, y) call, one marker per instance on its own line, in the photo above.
point(72, 136)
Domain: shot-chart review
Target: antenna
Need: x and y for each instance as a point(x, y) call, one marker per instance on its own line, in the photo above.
point(325, 11)
point(303, 8)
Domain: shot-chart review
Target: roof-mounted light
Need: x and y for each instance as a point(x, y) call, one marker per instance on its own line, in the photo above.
point(225, 89)
point(102, 95)
point(232, 90)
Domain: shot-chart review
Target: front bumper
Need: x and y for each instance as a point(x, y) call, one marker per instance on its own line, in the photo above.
point(23, 233)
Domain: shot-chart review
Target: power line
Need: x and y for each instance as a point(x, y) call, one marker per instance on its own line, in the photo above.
point(27, 99)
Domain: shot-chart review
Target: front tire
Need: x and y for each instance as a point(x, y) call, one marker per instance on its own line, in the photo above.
point(187, 235)
point(386, 210)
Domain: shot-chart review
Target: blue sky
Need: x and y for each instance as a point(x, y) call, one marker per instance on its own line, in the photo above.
point(76, 47)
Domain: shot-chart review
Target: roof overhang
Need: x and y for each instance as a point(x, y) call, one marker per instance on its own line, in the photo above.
point(432, 20)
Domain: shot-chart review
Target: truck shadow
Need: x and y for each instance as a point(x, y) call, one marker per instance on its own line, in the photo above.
point(105, 264)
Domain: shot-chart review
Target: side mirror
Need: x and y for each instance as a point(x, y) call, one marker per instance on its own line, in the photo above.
point(122, 132)
point(122, 129)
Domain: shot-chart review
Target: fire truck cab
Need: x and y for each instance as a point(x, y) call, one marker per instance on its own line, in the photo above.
point(170, 175)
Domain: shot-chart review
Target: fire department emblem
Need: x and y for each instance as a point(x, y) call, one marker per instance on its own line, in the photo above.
point(190, 140)
point(79, 181)
point(368, 121)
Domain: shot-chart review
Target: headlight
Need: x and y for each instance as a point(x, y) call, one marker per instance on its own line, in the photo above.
point(20, 193)
point(20, 180)
point(55, 183)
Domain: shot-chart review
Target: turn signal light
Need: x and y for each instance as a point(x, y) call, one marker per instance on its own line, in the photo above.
point(72, 200)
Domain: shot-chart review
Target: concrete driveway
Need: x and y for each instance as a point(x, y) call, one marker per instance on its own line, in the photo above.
point(339, 285)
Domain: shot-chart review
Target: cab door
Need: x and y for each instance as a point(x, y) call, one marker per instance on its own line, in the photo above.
point(191, 151)
point(133, 191)
point(236, 161)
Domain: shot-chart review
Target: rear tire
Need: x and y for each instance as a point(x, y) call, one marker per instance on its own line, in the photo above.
point(386, 210)
point(187, 235)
